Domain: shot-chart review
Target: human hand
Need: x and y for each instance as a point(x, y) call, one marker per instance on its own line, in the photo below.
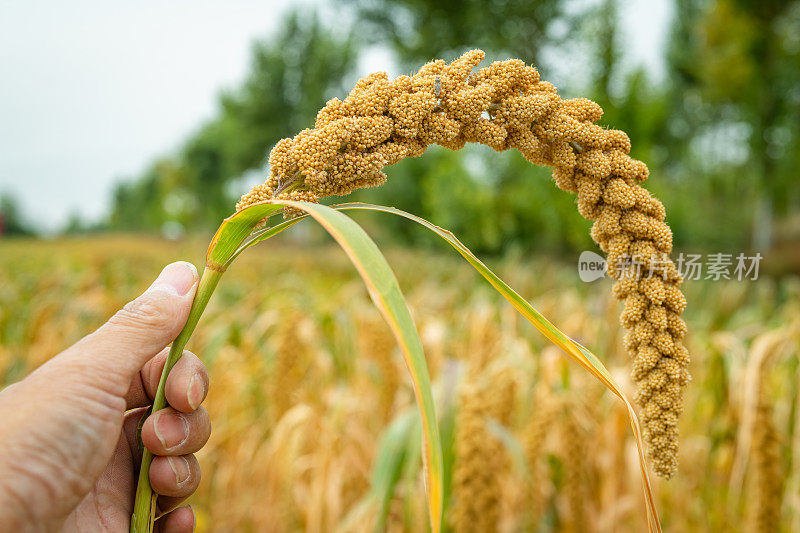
point(68, 450)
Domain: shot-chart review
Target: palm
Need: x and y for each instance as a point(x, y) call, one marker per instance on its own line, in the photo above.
point(109, 504)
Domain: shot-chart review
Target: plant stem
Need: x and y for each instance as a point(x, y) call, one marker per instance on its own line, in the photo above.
point(291, 184)
point(144, 507)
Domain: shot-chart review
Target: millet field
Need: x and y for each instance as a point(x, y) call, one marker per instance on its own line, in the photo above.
point(314, 420)
point(607, 340)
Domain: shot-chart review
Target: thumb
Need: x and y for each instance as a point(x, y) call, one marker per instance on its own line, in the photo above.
point(142, 328)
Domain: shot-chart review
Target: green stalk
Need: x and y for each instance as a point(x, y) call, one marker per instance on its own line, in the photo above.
point(144, 507)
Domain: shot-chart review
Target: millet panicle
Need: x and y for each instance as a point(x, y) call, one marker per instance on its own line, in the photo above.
point(506, 105)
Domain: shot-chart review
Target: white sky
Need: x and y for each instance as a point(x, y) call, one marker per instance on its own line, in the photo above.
point(645, 25)
point(91, 91)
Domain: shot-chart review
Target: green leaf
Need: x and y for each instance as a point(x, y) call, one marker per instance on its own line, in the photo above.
point(569, 346)
point(385, 293)
point(390, 458)
point(234, 235)
point(511, 444)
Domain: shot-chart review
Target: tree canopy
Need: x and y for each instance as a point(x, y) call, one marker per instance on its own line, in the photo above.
point(723, 124)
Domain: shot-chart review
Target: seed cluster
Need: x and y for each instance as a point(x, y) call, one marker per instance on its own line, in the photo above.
point(534, 436)
point(764, 512)
point(575, 450)
point(376, 342)
point(476, 483)
point(506, 105)
point(480, 460)
point(292, 361)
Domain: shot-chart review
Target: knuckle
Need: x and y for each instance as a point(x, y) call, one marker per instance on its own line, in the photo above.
point(152, 311)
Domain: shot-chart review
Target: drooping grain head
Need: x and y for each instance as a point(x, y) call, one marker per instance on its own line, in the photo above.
point(476, 489)
point(480, 459)
point(766, 484)
point(376, 342)
point(574, 456)
point(505, 105)
point(533, 440)
point(293, 359)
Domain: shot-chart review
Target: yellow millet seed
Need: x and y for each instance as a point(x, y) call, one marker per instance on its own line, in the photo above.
point(506, 105)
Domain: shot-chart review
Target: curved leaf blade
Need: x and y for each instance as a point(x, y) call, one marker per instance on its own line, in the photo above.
point(578, 352)
point(391, 457)
point(233, 231)
point(232, 238)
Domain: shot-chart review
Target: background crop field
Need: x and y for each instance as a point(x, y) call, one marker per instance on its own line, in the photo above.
point(129, 130)
point(306, 381)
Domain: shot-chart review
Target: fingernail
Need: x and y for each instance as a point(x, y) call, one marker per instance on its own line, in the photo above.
point(179, 277)
point(196, 392)
point(180, 467)
point(171, 429)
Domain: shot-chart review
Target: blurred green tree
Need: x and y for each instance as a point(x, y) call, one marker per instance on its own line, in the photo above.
point(748, 67)
point(721, 126)
point(418, 30)
point(491, 200)
point(12, 222)
point(292, 74)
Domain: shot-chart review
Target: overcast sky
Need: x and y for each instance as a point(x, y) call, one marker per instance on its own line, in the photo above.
point(92, 90)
